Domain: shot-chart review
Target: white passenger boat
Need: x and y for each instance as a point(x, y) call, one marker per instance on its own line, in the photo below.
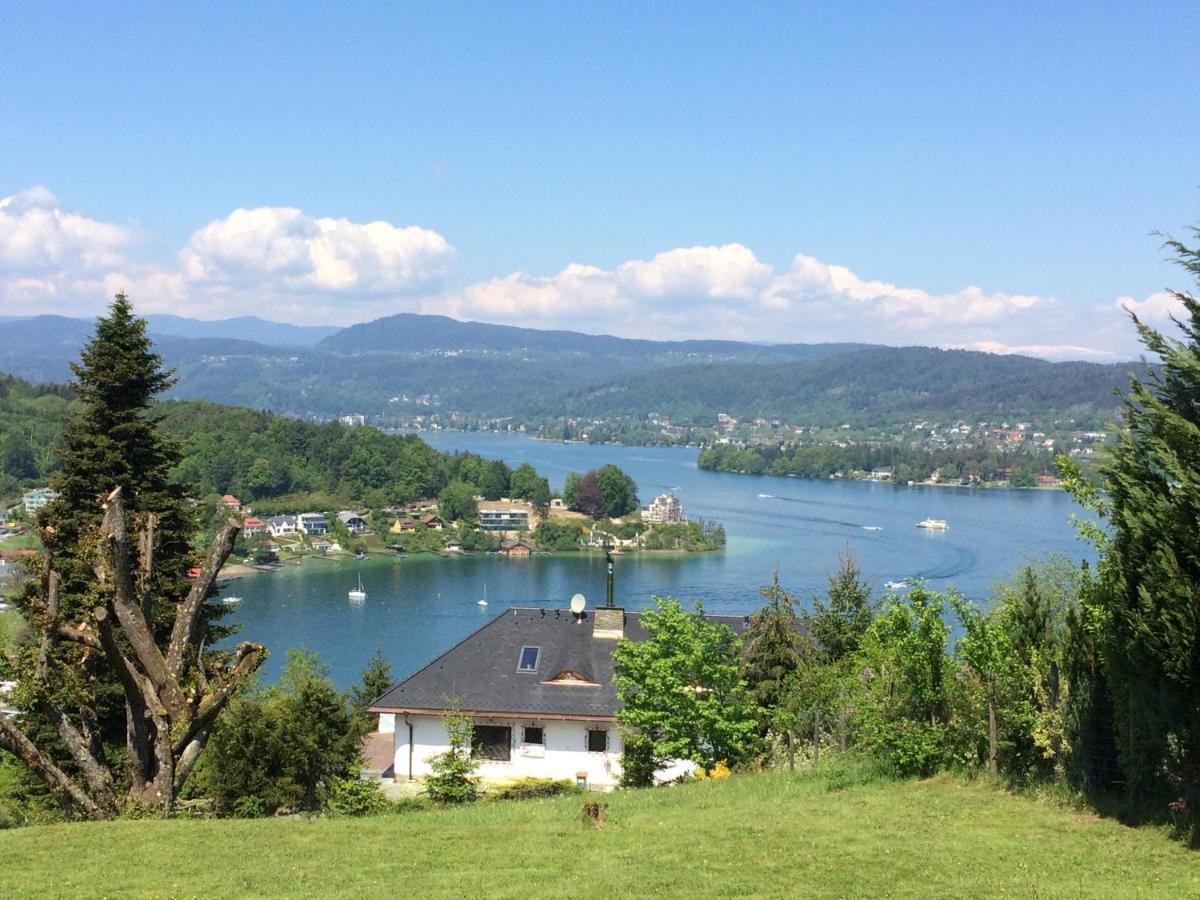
point(933, 524)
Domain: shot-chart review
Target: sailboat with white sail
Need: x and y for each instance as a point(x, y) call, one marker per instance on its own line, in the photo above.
point(358, 593)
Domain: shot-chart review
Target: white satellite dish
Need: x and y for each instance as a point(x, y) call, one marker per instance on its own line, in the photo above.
point(578, 602)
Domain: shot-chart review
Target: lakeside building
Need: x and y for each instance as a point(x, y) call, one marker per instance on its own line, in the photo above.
point(312, 523)
point(280, 525)
point(252, 526)
point(503, 519)
point(38, 498)
point(231, 503)
point(354, 523)
point(538, 685)
point(664, 509)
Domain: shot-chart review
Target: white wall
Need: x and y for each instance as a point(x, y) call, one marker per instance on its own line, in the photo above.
point(565, 749)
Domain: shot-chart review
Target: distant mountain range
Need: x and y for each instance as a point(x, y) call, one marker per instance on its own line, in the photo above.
point(410, 363)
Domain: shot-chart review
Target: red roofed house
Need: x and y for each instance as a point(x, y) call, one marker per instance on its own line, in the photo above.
point(231, 502)
point(253, 526)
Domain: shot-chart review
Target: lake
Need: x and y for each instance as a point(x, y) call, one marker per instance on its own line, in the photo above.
point(419, 606)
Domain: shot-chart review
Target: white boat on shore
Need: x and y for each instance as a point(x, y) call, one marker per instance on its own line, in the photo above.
point(933, 524)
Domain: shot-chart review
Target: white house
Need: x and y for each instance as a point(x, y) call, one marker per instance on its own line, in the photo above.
point(538, 684)
point(312, 523)
point(664, 509)
point(36, 499)
point(279, 525)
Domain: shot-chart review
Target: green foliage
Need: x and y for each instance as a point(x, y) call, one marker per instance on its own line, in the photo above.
point(774, 652)
point(453, 780)
point(529, 788)
point(551, 535)
point(375, 681)
point(692, 536)
point(355, 797)
point(907, 691)
point(249, 807)
point(618, 490)
point(607, 492)
point(527, 484)
point(285, 745)
point(839, 622)
point(681, 687)
point(908, 463)
point(1143, 625)
point(639, 761)
point(457, 501)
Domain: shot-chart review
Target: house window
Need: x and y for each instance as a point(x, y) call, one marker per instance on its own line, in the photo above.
point(493, 742)
point(528, 661)
point(597, 740)
point(534, 735)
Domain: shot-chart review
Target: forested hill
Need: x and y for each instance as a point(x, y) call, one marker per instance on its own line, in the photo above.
point(406, 365)
point(409, 332)
point(258, 455)
point(874, 386)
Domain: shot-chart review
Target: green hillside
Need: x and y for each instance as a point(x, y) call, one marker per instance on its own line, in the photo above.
point(768, 835)
point(408, 365)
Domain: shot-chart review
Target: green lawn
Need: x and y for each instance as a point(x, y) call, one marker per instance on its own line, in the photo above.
point(10, 625)
point(773, 835)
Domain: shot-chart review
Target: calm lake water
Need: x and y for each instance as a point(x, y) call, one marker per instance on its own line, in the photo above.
point(417, 606)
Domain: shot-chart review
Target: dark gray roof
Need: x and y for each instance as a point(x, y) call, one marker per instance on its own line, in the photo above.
point(480, 672)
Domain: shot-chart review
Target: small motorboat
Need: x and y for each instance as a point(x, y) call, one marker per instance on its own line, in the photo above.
point(231, 601)
point(358, 593)
point(896, 585)
point(360, 555)
point(933, 524)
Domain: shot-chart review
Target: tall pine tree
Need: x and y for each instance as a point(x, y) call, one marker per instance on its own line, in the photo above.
point(1147, 606)
point(118, 692)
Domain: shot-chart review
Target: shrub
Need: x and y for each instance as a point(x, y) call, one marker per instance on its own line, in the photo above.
point(638, 763)
point(249, 808)
point(529, 788)
point(453, 779)
point(355, 797)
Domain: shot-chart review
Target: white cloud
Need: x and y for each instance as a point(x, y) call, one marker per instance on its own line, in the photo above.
point(1046, 351)
point(37, 235)
point(726, 291)
point(1158, 307)
point(284, 263)
point(290, 250)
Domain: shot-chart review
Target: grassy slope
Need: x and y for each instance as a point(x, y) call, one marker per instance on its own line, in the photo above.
point(765, 836)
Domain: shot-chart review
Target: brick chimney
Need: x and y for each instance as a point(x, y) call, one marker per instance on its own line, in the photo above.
point(608, 623)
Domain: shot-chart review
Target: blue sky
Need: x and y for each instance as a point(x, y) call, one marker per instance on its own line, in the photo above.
point(948, 174)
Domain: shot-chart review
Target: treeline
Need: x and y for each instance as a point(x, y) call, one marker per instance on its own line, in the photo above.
point(906, 463)
point(31, 419)
point(258, 455)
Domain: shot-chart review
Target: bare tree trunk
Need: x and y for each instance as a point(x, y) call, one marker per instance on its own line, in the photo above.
point(842, 729)
point(992, 740)
point(167, 720)
point(791, 745)
point(817, 738)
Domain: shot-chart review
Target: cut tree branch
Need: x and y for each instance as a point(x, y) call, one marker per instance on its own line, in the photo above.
point(129, 614)
point(14, 740)
point(246, 660)
point(186, 616)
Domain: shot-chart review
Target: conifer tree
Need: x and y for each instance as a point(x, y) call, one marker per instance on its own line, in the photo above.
point(774, 650)
point(118, 692)
point(840, 621)
point(1146, 608)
